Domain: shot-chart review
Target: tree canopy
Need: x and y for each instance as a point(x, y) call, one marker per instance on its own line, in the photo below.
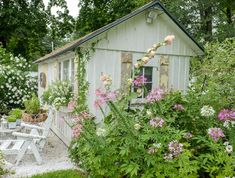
point(205, 20)
point(26, 27)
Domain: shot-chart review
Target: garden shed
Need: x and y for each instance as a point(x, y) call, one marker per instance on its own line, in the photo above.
point(114, 49)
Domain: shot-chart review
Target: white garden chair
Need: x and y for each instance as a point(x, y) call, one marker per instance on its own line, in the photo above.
point(26, 142)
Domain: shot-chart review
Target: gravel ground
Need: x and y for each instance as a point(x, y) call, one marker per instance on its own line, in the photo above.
point(54, 155)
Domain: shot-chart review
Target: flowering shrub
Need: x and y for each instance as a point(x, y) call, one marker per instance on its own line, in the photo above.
point(1, 164)
point(15, 82)
point(58, 94)
point(172, 135)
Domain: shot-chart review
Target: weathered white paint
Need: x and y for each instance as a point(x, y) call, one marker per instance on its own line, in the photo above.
point(133, 36)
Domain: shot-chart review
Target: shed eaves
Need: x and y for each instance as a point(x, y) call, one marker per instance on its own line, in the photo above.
point(72, 45)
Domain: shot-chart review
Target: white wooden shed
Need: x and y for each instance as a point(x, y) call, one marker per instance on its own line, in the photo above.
point(124, 42)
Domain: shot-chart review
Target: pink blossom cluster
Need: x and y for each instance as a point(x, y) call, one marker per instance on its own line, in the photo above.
point(139, 81)
point(169, 39)
point(155, 95)
point(178, 107)
point(83, 115)
point(175, 147)
point(156, 122)
point(104, 97)
point(216, 133)
point(226, 114)
point(106, 79)
point(77, 129)
point(152, 51)
point(71, 105)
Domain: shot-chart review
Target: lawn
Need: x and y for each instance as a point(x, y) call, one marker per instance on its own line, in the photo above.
point(69, 173)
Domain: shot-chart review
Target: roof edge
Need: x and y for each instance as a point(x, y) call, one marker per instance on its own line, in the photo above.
point(88, 37)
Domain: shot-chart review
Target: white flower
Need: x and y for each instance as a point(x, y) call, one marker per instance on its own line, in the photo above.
point(226, 124)
point(229, 148)
point(149, 113)
point(129, 81)
point(157, 145)
point(101, 132)
point(226, 143)
point(207, 111)
point(137, 126)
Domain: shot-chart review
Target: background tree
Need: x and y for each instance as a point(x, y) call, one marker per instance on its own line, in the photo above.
point(26, 27)
point(205, 20)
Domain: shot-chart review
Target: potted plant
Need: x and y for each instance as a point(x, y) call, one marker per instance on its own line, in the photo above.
point(33, 113)
point(11, 121)
point(58, 95)
point(18, 114)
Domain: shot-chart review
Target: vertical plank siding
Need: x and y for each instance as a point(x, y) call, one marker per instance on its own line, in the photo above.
point(134, 36)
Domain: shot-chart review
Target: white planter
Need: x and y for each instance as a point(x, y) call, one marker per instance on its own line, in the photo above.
point(11, 125)
point(18, 122)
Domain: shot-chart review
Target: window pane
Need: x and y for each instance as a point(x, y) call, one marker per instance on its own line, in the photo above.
point(66, 70)
point(72, 73)
point(148, 72)
point(60, 77)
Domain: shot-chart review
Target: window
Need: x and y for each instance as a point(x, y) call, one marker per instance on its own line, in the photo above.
point(66, 70)
point(147, 72)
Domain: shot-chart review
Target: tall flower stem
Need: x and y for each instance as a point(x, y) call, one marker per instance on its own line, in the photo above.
point(118, 113)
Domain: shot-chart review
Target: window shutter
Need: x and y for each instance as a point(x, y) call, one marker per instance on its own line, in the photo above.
point(126, 68)
point(164, 72)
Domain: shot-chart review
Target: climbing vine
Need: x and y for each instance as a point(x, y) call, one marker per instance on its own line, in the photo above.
point(82, 58)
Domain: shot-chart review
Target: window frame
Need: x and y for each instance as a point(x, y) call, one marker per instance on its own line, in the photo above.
point(71, 71)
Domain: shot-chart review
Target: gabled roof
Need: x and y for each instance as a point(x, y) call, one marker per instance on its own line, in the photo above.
point(72, 45)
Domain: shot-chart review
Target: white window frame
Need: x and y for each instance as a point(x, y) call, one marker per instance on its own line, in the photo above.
point(71, 70)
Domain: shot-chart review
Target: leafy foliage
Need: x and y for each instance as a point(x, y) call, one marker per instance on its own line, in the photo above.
point(215, 73)
point(32, 106)
point(26, 26)
point(170, 135)
point(58, 94)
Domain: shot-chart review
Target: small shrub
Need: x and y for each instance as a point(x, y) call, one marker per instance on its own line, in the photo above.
point(32, 106)
point(16, 112)
point(11, 118)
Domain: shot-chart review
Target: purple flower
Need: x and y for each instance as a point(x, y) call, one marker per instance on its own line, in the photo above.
point(140, 80)
point(216, 133)
point(226, 114)
point(175, 147)
point(156, 122)
point(178, 107)
point(155, 95)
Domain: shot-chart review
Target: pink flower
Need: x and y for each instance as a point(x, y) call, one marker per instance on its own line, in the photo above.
point(155, 95)
point(175, 147)
point(178, 107)
point(71, 105)
point(103, 97)
point(169, 39)
point(77, 130)
point(139, 81)
point(156, 122)
point(226, 114)
point(216, 133)
point(106, 79)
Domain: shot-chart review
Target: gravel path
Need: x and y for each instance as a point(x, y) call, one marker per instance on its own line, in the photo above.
point(54, 155)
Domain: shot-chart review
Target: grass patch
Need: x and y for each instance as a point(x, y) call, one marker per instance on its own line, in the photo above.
point(69, 173)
